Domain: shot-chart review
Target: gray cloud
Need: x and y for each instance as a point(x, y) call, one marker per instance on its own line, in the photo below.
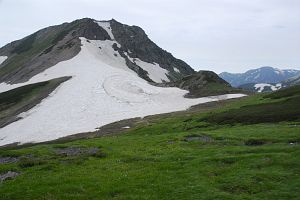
point(220, 35)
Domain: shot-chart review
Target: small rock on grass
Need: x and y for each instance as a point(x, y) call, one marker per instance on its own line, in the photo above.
point(7, 160)
point(74, 151)
point(8, 176)
point(195, 137)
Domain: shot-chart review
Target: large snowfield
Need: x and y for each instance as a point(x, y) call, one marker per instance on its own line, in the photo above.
point(102, 90)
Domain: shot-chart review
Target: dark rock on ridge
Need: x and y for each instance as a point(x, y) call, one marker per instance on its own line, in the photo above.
point(202, 83)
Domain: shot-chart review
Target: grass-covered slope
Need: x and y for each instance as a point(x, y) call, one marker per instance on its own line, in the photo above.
point(278, 106)
point(176, 156)
point(202, 84)
point(16, 101)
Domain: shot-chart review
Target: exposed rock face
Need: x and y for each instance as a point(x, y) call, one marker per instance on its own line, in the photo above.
point(199, 80)
point(45, 48)
point(134, 40)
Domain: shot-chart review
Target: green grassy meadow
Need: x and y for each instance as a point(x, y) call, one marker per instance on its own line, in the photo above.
point(210, 154)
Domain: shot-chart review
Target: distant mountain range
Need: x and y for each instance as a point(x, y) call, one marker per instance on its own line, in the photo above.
point(270, 87)
point(259, 75)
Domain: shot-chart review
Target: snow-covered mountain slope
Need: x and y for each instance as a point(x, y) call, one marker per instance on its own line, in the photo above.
point(260, 75)
point(45, 48)
point(102, 90)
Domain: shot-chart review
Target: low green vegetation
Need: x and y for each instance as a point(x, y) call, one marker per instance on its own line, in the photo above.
point(211, 89)
point(26, 44)
point(290, 92)
point(25, 51)
point(285, 110)
point(31, 47)
point(178, 156)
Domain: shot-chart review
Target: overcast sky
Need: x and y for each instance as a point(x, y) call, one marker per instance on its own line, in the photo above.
point(218, 35)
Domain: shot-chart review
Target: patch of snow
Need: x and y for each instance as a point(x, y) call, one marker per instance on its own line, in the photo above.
point(261, 86)
point(278, 85)
point(107, 27)
point(176, 70)
point(126, 127)
point(2, 59)
point(155, 72)
point(131, 59)
point(102, 90)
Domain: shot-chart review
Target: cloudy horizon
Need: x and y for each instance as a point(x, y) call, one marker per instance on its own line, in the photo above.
point(217, 35)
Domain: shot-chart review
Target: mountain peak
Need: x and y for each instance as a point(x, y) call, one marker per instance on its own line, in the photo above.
point(49, 46)
point(89, 73)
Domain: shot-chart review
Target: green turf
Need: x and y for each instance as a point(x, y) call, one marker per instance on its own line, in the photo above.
point(31, 47)
point(289, 92)
point(285, 107)
point(26, 44)
point(156, 161)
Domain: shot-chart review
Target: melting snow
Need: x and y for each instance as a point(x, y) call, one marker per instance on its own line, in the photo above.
point(156, 73)
point(106, 26)
point(2, 59)
point(261, 86)
point(278, 71)
point(102, 90)
point(176, 70)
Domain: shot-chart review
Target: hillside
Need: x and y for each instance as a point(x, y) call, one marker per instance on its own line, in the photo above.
point(201, 84)
point(292, 81)
point(270, 87)
point(235, 149)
